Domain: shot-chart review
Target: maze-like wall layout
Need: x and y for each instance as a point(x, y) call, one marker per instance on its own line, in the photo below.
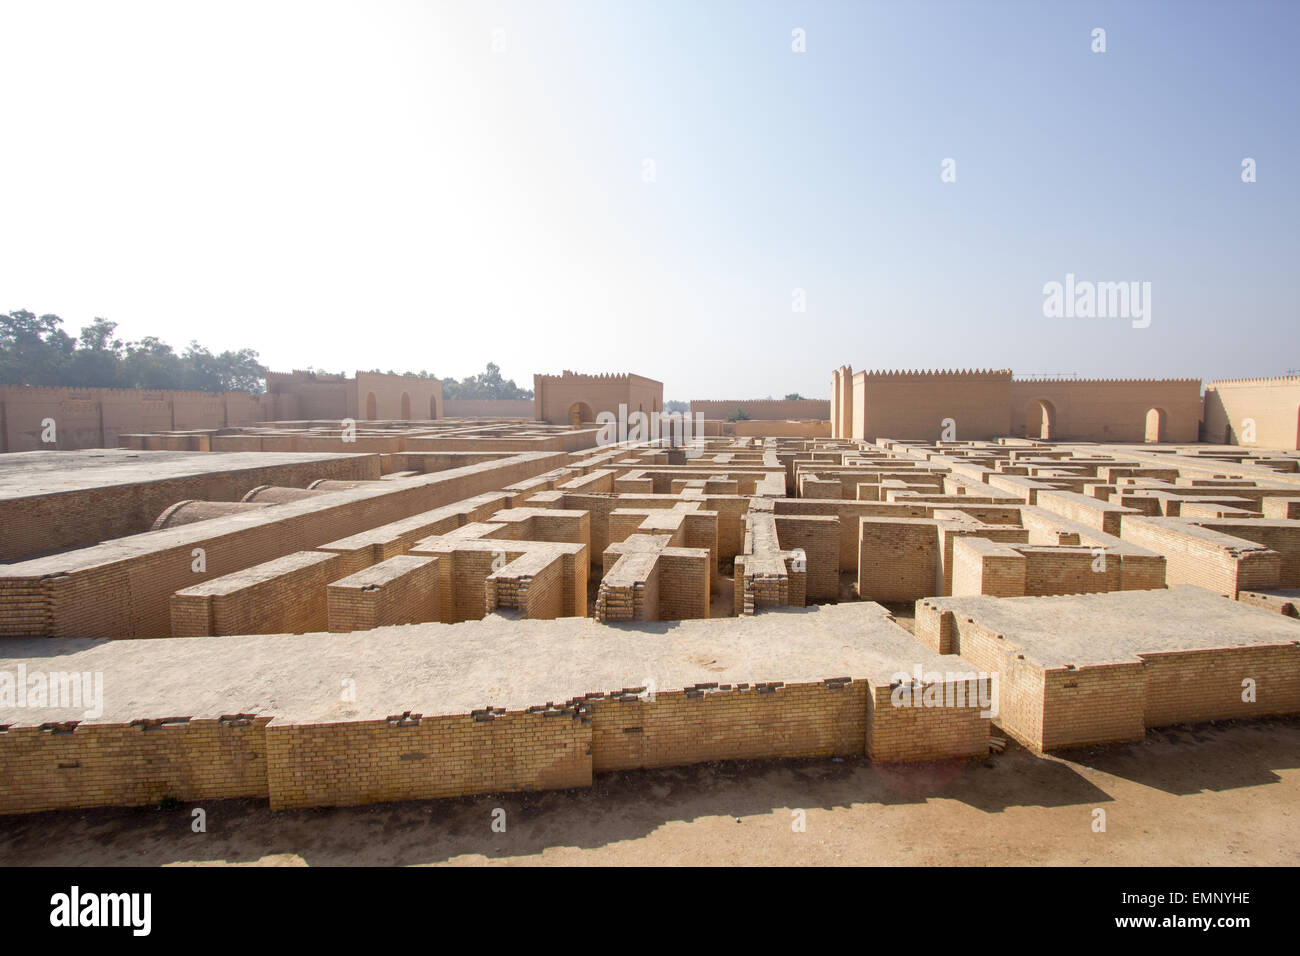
point(318, 614)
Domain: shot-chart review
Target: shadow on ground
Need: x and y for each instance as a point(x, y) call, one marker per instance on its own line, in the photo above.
point(629, 805)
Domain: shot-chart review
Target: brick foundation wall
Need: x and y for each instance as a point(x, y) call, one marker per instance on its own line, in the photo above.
point(699, 725)
point(435, 757)
point(123, 765)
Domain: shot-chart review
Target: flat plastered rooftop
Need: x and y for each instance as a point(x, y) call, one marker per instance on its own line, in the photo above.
point(442, 669)
point(26, 473)
point(1083, 629)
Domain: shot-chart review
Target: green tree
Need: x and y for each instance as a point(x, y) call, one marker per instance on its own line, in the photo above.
point(34, 350)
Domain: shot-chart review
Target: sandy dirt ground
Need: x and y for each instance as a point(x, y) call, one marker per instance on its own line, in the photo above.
point(1226, 793)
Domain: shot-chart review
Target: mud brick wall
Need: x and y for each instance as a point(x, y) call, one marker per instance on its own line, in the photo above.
point(980, 566)
point(488, 408)
point(1139, 572)
point(738, 589)
point(1284, 603)
point(125, 589)
point(122, 765)
point(814, 486)
point(1019, 689)
point(40, 524)
point(898, 559)
point(1281, 536)
point(94, 417)
point(1095, 704)
point(630, 592)
point(600, 481)
point(344, 764)
point(401, 590)
point(729, 723)
point(1190, 686)
point(1067, 571)
point(849, 512)
point(913, 405)
point(819, 539)
point(935, 628)
point(1205, 558)
point(1084, 509)
point(462, 577)
point(533, 584)
point(701, 531)
point(1281, 507)
point(284, 596)
point(917, 732)
point(683, 585)
point(766, 409)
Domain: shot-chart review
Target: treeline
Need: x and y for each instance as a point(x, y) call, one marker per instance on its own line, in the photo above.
point(486, 384)
point(34, 350)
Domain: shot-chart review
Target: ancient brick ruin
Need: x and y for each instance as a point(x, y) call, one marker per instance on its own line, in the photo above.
point(357, 604)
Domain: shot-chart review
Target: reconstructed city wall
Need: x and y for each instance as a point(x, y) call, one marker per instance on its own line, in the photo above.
point(763, 409)
point(569, 398)
point(1269, 406)
point(983, 405)
point(94, 417)
point(914, 405)
point(488, 408)
point(1107, 410)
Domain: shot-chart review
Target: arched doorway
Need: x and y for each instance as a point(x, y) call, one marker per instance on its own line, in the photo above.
point(580, 412)
point(406, 406)
point(1040, 420)
point(433, 407)
point(371, 412)
point(1156, 425)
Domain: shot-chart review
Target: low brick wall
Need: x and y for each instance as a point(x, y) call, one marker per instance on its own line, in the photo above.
point(284, 596)
point(401, 590)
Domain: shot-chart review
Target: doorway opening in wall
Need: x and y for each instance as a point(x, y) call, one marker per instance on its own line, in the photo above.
point(1155, 425)
point(371, 410)
point(433, 407)
point(1040, 420)
point(580, 412)
point(406, 406)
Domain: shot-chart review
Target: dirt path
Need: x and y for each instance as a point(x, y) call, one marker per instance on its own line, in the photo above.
point(1223, 794)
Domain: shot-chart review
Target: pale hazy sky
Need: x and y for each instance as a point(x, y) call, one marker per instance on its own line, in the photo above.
point(357, 185)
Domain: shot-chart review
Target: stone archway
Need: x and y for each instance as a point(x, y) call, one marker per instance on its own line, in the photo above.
point(1040, 420)
point(1157, 425)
